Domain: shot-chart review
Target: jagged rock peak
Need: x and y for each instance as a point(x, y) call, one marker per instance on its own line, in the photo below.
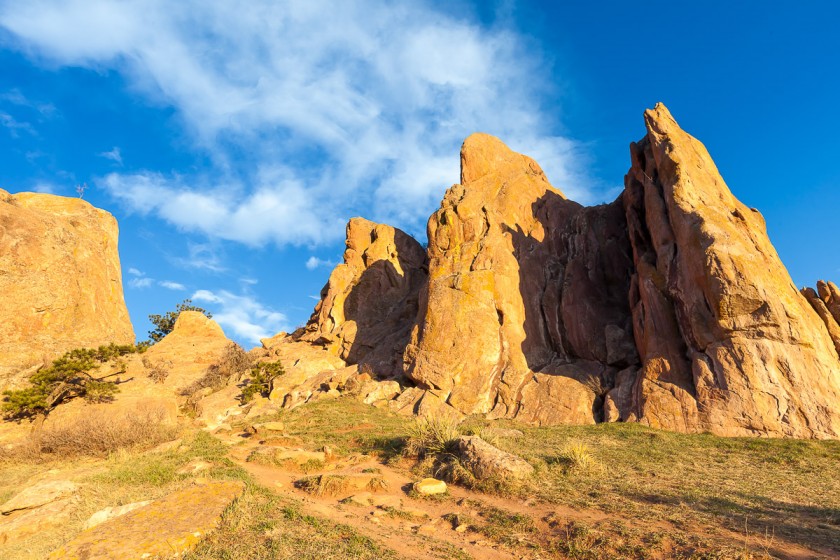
point(483, 154)
point(370, 300)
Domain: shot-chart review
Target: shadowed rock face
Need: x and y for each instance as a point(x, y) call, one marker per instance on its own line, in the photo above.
point(60, 281)
point(369, 303)
point(668, 306)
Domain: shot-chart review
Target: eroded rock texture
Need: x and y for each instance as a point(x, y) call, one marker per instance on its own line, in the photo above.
point(512, 262)
point(668, 306)
point(727, 342)
point(370, 301)
point(60, 281)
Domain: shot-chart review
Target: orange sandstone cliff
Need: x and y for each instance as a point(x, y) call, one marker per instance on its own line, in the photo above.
point(668, 307)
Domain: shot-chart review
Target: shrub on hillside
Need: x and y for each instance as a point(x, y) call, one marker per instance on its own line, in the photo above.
point(259, 383)
point(101, 432)
point(166, 322)
point(70, 376)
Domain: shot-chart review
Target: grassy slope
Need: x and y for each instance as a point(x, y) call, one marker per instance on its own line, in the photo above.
point(709, 490)
point(658, 494)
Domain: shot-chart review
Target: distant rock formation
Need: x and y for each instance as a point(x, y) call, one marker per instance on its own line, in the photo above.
point(668, 307)
point(60, 281)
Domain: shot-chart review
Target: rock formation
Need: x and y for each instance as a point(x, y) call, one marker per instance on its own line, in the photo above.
point(726, 341)
point(60, 281)
point(668, 307)
point(369, 303)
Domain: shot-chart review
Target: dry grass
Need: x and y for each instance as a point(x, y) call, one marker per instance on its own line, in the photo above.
point(681, 495)
point(335, 485)
point(231, 366)
point(432, 435)
point(97, 433)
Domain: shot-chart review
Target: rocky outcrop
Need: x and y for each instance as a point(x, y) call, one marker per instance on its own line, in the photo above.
point(370, 301)
point(525, 314)
point(167, 527)
point(668, 307)
point(726, 341)
point(60, 281)
point(826, 302)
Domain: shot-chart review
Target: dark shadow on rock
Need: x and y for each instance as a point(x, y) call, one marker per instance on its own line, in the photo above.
point(574, 284)
point(383, 304)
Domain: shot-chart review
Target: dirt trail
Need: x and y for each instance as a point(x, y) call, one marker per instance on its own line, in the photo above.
point(417, 527)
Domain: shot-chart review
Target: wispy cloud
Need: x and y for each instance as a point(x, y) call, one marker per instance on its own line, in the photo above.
point(113, 154)
point(135, 272)
point(201, 256)
point(46, 188)
point(14, 125)
point(16, 97)
point(314, 262)
point(141, 282)
point(242, 316)
point(169, 285)
point(365, 104)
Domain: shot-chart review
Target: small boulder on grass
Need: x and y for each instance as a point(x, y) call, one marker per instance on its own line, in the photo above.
point(486, 461)
point(430, 487)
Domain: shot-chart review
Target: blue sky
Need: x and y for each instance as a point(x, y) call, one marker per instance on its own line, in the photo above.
point(232, 144)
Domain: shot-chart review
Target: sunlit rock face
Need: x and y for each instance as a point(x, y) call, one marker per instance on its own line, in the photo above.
point(668, 307)
point(60, 281)
point(727, 343)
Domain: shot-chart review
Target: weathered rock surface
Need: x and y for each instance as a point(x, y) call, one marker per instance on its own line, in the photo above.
point(369, 303)
point(668, 306)
point(486, 461)
point(166, 527)
point(525, 314)
point(727, 342)
point(112, 512)
point(60, 281)
point(38, 495)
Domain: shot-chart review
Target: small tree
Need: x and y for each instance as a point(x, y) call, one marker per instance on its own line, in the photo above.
point(166, 322)
point(262, 374)
point(68, 377)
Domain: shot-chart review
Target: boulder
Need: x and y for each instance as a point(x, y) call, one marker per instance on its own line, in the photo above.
point(430, 487)
point(61, 281)
point(39, 494)
point(170, 526)
point(486, 461)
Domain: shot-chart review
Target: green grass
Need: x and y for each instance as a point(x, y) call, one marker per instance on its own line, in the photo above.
point(710, 491)
point(265, 526)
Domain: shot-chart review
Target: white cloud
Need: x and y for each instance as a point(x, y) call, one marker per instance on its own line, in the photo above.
point(46, 188)
point(202, 256)
point(169, 285)
point(242, 316)
point(135, 272)
point(314, 262)
point(113, 154)
point(14, 125)
point(364, 104)
point(16, 97)
point(140, 283)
